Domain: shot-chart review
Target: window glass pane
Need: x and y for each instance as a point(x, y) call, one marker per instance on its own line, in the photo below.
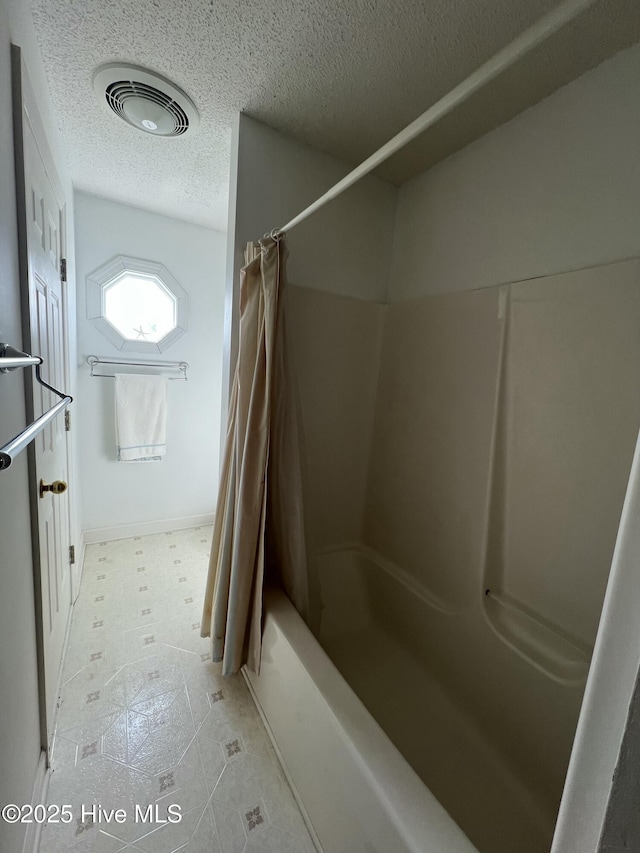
point(140, 308)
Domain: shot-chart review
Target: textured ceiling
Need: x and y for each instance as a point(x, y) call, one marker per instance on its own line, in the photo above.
point(343, 75)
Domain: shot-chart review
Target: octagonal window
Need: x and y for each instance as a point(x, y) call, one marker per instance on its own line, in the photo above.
point(140, 308)
point(138, 305)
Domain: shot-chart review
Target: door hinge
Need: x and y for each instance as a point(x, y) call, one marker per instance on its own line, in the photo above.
point(67, 420)
point(63, 269)
point(72, 555)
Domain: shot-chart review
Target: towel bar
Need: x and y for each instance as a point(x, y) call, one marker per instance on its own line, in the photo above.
point(17, 444)
point(10, 359)
point(183, 366)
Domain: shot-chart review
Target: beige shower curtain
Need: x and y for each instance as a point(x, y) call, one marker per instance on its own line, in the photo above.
point(258, 418)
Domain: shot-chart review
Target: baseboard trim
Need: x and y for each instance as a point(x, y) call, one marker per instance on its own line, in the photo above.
point(32, 837)
point(280, 757)
point(143, 528)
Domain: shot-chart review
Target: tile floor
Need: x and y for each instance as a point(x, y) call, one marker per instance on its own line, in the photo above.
point(146, 719)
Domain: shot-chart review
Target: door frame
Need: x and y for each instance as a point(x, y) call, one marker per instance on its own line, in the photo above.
point(25, 110)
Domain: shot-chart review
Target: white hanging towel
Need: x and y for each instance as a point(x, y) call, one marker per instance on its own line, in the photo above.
point(141, 417)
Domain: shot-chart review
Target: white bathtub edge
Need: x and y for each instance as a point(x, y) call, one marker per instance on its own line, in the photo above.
point(274, 743)
point(412, 812)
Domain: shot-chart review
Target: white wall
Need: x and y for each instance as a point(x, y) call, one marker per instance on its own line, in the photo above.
point(345, 248)
point(555, 189)
point(185, 483)
point(20, 730)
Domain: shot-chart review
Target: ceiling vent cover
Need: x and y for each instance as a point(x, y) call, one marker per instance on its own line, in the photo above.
point(145, 100)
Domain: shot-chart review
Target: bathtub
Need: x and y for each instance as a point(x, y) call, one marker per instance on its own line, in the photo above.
point(357, 792)
point(379, 755)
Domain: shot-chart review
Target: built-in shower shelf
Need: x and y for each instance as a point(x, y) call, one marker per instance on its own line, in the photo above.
point(535, 640)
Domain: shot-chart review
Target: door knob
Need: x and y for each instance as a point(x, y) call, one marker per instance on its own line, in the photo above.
point(57, 487)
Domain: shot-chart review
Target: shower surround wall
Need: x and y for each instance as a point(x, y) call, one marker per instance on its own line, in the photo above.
point(335, 371)
point(503, 432)
point(430, 456)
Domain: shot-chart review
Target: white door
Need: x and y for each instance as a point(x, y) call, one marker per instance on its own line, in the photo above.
point(45, 230)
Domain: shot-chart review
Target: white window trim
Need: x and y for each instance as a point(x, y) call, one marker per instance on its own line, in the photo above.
point(102, 277)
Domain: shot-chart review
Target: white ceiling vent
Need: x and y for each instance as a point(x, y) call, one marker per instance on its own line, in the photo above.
point(145, 100)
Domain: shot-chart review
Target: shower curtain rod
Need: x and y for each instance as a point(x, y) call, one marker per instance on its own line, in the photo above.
point(526, 41)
